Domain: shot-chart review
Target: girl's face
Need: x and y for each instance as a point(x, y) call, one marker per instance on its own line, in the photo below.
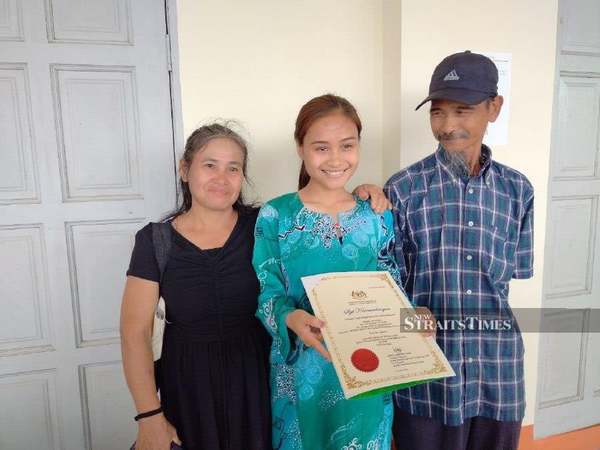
point(215, 175)
point(330, 151)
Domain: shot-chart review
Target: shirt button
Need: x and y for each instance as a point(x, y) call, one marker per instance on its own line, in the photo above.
point(469, 291)
point(469, 257)
point(470, 360)
point(471, 223)
point(471, 191)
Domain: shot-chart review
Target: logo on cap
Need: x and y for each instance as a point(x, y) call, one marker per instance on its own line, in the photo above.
point(452, 76)
point(463, 77)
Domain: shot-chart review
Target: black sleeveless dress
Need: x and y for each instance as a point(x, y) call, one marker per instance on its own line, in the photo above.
point(214, 370)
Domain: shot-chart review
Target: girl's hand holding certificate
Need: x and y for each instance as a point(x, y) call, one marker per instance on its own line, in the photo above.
point(308, 328)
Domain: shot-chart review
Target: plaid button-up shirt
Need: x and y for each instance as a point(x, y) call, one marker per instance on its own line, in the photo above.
point(459, 241)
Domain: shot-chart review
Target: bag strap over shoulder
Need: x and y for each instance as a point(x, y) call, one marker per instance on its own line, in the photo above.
point(161, 238)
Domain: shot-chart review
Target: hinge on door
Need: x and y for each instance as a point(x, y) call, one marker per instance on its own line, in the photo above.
point(169, 58)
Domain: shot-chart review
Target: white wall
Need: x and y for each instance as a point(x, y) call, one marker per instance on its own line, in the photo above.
point(392, 87)
point(431, 30)
point(259, 61)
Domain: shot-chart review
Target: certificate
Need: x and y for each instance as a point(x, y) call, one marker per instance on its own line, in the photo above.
point(370, 350)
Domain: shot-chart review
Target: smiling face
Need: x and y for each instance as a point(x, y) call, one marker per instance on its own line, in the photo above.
point(215, 174)
point(330, 151)
point(460, 127)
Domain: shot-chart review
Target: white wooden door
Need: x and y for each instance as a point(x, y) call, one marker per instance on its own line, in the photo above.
point(86, 158)
point(568, 395)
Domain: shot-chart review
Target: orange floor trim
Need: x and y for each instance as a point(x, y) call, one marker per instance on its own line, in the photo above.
point(584, 439)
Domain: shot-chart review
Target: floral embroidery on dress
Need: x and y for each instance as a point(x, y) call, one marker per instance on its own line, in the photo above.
point(329, 399)
point(284, 383)
point(353, 445)
point(267, 311)
point(323, 228)
point(268, 212)
point(308, 372)
point(373, 445)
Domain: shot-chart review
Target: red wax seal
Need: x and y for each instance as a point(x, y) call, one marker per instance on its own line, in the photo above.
point(365, 360)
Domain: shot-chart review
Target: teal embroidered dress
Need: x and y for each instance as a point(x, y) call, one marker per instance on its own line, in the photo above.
point(308, 406)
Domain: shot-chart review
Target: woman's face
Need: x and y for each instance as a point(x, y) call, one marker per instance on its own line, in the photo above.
point(330, 151)
point(215, 175)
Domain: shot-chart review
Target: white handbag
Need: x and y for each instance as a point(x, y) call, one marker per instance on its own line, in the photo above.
point(158, 328)
point(161, 238)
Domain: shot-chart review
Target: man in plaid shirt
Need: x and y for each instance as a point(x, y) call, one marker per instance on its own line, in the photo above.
point(464, 228)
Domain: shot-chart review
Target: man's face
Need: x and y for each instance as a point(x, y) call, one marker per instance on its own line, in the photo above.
point(460, 127)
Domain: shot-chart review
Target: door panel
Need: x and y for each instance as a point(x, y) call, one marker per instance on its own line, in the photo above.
point(18, 171)
point(97, 22)
point(86, 159)
point(97, 121)
point(34, 424)
point(104, 392)
point(25, 325)
point(569, 363)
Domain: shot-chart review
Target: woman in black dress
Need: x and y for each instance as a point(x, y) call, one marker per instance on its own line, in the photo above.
point(213, 372)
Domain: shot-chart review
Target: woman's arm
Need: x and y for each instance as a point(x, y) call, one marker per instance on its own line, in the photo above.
point(276, 310)
point(137, 315)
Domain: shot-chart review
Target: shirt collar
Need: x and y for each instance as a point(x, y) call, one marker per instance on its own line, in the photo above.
point(485, 163)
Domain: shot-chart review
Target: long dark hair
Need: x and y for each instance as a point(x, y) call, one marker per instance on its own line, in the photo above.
point(196, 142)
point(313, 110)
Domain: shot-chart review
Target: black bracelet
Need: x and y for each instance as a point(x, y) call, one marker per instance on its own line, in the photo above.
point(148, 414)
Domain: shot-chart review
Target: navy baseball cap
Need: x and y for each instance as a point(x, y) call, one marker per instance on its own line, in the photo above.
point(464, 77)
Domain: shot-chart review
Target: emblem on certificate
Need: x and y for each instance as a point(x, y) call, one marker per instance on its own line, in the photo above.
point(370, 350)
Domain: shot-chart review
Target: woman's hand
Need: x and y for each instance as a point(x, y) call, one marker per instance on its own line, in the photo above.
point(308, 328)
point(155, 433)
point(379, 201)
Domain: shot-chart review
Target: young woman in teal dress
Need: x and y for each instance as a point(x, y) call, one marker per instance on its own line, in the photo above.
point(321, 228)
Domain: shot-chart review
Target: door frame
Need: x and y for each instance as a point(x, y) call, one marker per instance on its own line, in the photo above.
point(175, 86)
point(547, 243)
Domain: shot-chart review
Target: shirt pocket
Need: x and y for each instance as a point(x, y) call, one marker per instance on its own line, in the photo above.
point(497, 261)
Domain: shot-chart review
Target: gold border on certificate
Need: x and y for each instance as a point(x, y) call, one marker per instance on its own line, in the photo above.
point(352, 385)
